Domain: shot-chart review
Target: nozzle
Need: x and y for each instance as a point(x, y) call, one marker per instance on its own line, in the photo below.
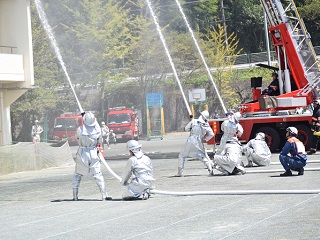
point(191, 116)
point(83, 113)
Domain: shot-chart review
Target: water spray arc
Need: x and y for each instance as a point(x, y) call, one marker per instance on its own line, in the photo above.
point(201, 55)
point(169, 56)
point(48, 30)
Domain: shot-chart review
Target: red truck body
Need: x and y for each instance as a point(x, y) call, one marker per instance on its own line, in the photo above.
point(124, 122)
point(299, 75)
point(65, 127)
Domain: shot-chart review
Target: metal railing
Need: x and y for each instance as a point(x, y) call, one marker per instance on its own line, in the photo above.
point(7, 49)
point(262, 57)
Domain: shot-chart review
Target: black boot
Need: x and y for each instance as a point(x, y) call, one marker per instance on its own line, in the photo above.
point(300, 171)
point(311, 152)
point(286, 174)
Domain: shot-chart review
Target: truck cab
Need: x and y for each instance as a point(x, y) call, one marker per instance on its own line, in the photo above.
point(124, 122)
point(65, 127)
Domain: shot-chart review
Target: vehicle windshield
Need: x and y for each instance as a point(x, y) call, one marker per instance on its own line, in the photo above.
point(65, 123)
point(118, 118)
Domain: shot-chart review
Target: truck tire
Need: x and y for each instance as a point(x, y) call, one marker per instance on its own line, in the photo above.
point(272, 137)
point(305, 135)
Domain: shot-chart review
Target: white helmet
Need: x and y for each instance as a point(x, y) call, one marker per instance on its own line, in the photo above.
point(317, 101)
point(292, 130)
point(260, 135)
point(103, 123)
point(205, 114)
point(237, 116)
point(36, 121)
point(89, 119)
point(133, 144)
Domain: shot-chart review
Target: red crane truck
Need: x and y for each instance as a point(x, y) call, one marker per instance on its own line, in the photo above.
point(299, 75)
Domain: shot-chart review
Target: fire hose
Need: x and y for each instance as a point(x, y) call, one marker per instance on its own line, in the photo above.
point(49, 31)
point(224, 192)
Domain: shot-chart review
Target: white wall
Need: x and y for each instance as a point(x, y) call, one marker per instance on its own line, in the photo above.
point(16, 71)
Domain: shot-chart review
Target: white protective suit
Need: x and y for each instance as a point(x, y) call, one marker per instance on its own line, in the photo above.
point(230, 158)
point(138, 175)
point(87, 159)
point(257, 151)
point(105, 135)
point(199, 131)
point(35, 132)
point(230, 127)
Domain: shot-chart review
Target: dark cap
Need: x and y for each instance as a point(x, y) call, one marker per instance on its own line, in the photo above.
point(274, 74)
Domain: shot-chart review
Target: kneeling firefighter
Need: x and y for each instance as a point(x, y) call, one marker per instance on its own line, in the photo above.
point(87, 158)
point(229, 161)
point(138, 173)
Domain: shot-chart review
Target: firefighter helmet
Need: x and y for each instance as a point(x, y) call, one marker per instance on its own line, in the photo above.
point(292, 130)
point(205, 115)
point(89, 119)
point(237, 116)
point(317, 101)
point(103, 123)
point(133, 144)
point(260, 135)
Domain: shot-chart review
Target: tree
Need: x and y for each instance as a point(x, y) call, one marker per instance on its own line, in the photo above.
point(222, 58)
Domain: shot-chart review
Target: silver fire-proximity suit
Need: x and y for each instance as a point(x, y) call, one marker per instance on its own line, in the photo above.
point(199, 131)
point(36, 131)
point(230, 128)
point(229, 161)
point(138, 173)
point(257, 151)
point(87, 159)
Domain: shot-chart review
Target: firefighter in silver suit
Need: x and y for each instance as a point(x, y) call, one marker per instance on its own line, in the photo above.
point(138, 174)
point(87, 159)
point(199, 131)
point(257, 151)
point(36, 131)
point(229, 161)
point(231, 128)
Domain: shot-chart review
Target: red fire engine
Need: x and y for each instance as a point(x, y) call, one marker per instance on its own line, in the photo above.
point(299, 75)
point(124, 122)
point(65, 127)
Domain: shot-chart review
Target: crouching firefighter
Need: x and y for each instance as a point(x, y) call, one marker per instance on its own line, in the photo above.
point(293, 154)
point(87, 159)
point(199, 131)
point(229, 161)
point(138, 174)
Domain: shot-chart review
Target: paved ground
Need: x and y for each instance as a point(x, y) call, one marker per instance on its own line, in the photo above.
point(37, 204)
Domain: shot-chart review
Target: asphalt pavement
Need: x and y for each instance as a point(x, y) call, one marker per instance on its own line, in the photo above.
point(38, 204)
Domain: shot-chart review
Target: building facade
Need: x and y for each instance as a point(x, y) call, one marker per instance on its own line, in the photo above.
point(16, 59)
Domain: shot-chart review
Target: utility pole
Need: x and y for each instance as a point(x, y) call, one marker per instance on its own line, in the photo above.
point(266, 31)
point(224, 24)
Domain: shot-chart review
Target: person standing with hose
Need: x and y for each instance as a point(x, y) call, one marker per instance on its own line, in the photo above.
point(231, 128)
point(199, 130)
point(87, 159)
point(315, 126)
